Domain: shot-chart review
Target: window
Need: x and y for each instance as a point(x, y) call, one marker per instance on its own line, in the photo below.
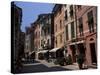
point(56, 41)
point(42, 32)
point(48, 41)
point(60, 24)
point(27, 47)
point(50, 20)
point(48, 30)
point(39, 34)
point(56, 28)
point(42, 43)
point(36, 34)
point(71, 11)
point(81, 26)
point(71, 7)
point(79, 7)
point(90, 21)
point(38, 43)
point(66, 16)
point(66, 32)
point(60, 10)
point(72, 30)
point(65, 5)
point(61, 38)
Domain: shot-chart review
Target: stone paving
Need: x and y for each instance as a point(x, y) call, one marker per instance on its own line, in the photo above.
point(51, 64)
point(44, 66)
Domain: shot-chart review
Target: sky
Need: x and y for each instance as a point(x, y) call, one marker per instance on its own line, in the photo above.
point(31, 10)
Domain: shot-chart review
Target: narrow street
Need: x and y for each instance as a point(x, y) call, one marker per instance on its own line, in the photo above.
point(44, 66)
point(40, 67)
point(61, 38)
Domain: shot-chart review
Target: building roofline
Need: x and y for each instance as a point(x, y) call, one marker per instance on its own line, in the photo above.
point(56, 7)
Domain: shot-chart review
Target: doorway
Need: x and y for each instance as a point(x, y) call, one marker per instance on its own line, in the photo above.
point(93, 53)
point(73, 49)
point(81, 49)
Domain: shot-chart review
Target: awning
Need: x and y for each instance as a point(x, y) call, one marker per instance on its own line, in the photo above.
point(31, 52)
point(43, 51)
point(77, 42)
point(54, 50)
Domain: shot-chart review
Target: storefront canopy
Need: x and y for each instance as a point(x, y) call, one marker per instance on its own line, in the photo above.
point(31, 52)
point(43, 51)
point(54, 50)
point(77, 42)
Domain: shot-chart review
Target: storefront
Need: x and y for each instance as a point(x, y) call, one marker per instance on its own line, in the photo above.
point(56, 53)
point(32, 55)
point(77, 48)
point(43, 54)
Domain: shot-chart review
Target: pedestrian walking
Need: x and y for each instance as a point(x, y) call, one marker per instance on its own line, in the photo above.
point(80, 60)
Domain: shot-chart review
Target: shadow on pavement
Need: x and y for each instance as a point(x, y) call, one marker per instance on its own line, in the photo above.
point(41, 68)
